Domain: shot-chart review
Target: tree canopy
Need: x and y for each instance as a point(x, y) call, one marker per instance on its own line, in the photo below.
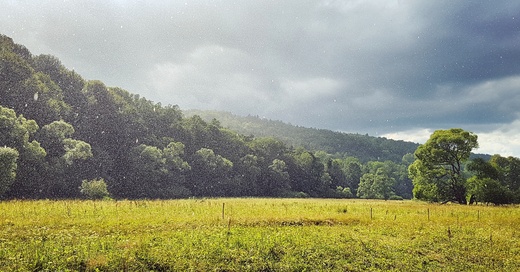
point(437, 171)
point(58, 130)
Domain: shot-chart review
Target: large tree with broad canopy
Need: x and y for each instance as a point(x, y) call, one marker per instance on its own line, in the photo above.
point(437, 170)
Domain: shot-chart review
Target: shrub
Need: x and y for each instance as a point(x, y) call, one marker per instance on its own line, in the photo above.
point(94, 189)
point(344, 192)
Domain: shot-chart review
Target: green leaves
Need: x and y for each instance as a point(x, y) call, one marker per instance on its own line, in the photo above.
point(16, 132)
point(376, 185)
point(496, 181)
point(144, 149)
point(155, 172)
point(437, 172)
point(76, 150)
point(94, 189)
point(447, 147)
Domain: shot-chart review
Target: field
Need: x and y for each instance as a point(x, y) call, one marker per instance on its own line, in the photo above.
point(257, 235)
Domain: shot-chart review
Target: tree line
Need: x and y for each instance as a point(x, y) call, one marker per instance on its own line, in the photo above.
point(60, 133)
point(58, 130)
point(363, 147)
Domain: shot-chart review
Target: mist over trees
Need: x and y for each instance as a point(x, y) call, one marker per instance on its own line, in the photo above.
point(60, 135)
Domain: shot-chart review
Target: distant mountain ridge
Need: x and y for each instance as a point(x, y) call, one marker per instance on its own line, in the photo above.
point(364, 147)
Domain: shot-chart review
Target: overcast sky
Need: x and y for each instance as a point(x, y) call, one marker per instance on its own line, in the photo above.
point(399, 69)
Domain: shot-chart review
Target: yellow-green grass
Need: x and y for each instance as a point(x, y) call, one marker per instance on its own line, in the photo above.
point(257, 235)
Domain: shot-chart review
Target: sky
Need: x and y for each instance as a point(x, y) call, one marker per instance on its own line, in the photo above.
point(398, 69)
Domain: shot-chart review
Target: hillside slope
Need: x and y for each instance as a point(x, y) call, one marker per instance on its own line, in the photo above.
point(363, 147)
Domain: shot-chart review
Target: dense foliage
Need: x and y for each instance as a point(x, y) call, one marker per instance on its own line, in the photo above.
point(94, 189)
point(363, 147)
point(57, 129)
point(437, 171)
point(495, 181)
point(441, 173)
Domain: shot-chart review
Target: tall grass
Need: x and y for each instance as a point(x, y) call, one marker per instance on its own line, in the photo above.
point(257, 235)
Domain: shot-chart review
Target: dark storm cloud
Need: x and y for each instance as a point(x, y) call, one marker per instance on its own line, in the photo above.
point(377, 67)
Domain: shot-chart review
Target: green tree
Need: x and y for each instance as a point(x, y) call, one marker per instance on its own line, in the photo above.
point(210, 173)
point(307, 174)
point(268, 148)
point(483, 169)
point(196, 134)
point(376, 185)
point(65, 163)
point(8, 157)
point(94, 189)
point(335, 170)
point(437, 171)
point(402, 185)
point(508, 171)
point(99, 123)
point(343, 192)
point(156, 173)
point(353, 174)
point(500, 172)
point(17, 133)
point(174, 185)
point(277, 180)
point(14, 71)
point(488, 190)
point(173, 154)
point(44, 102)
point(75, 150)
point(248, 169)
point(147, 172)
point(51, 137)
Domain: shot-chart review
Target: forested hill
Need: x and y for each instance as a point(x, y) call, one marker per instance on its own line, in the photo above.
point(364, 147)
point(58, 129)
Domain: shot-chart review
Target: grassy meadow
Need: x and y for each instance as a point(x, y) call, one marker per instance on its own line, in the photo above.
point(257, 235)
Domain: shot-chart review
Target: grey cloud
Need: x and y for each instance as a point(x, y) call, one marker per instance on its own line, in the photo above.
point(360, 66)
